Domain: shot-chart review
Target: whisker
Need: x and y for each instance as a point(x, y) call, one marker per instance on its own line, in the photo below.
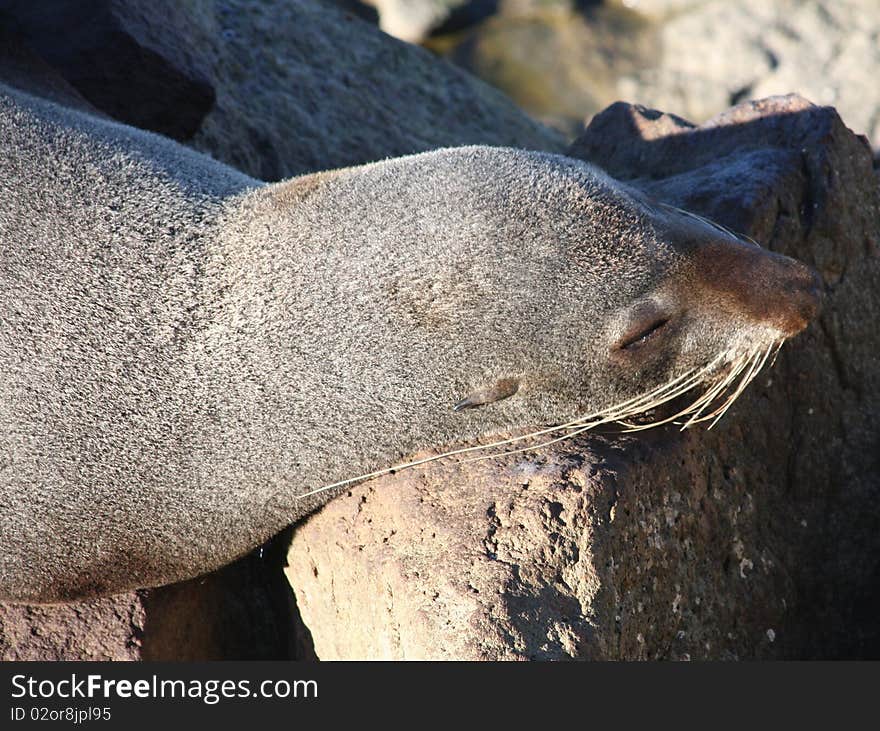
point(703, 399)
point(751, 363)
point(611, 414)
point(714, 224)
point(750, 376)
point(530, 448)
point(715, 391)
point(636, 402)
point(426, 460)
point(776, 353)
point(661, 395)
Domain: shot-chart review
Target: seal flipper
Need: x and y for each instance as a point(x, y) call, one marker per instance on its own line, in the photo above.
point(503, 389)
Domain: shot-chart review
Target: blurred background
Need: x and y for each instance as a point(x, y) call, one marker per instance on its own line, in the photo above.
point(564, 60)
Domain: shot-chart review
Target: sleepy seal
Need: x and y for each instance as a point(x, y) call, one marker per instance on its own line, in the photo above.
point(192, 359)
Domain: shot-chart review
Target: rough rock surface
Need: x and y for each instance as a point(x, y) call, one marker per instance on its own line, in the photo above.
point(758, 539)
point(105, 629)
point(303, 86)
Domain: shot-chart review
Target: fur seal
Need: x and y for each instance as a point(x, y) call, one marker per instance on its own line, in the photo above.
point(190, 357)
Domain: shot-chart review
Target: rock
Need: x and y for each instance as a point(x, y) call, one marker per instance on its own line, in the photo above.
point(564, 61)
point(297, 85)
point(302, 86)
point(245, 611)
point(22, 68)
point(124, 57)
point(756, 540)
point(104, 629)
point(363, 10)
point(826, 51)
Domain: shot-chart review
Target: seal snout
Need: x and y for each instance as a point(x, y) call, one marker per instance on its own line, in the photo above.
point(767, 288)
point(787, 294)
point(803, 292)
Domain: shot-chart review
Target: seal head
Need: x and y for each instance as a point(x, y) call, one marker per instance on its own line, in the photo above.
point(193, 359)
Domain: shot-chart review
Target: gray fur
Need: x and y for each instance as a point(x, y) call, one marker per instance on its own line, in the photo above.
point(184, 350)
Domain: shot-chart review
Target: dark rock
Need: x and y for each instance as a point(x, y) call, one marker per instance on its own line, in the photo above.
point(24, 69)
point(758, 539)
point(245, 611)
point(362, 10)
point(128, 58)
point(303, 86)
point(276, 88)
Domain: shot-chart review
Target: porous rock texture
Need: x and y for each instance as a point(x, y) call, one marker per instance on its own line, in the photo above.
point(756, 540)
point(303, 86)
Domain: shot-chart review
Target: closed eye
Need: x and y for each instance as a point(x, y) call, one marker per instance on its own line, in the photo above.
point(638, 337)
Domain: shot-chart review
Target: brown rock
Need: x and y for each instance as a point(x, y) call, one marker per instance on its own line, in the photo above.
point(105, 629)
point(758, 539)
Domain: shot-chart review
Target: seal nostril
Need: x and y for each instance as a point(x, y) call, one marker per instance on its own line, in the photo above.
point(796, 298)
point(810, 290)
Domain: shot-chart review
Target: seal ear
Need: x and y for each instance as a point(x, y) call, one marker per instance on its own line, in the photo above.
point(503, 389)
